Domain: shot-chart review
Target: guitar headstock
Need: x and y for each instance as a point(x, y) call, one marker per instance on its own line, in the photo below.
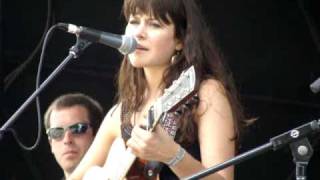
point(176, 94)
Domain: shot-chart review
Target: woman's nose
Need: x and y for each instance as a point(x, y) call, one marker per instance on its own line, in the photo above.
point(140, 31)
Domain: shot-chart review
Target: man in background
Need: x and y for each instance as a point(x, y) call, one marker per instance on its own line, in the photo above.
point(71, 122)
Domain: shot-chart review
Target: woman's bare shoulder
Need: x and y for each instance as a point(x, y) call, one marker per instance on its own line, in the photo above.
point(212, 94)
point(111, 123)
point(211, 87)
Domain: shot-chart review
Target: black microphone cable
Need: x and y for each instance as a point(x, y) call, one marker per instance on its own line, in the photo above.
point(15, 135)
point(9, 79)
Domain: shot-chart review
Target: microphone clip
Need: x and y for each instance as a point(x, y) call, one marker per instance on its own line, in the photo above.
point(77, 49)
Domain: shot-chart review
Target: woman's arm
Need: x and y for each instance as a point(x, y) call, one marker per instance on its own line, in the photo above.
point(98, 151)
point(215, 132)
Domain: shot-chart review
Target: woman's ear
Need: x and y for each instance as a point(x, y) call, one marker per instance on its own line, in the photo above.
point(179, 45)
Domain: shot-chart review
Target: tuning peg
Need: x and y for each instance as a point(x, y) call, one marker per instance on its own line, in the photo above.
point(178, 112)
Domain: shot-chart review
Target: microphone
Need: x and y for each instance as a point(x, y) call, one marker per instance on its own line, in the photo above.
point(125, 44)
point(315, 86)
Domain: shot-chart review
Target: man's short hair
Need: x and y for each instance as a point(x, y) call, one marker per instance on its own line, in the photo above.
point(95, 111)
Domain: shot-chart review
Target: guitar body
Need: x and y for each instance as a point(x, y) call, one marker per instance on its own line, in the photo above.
point(106, 172)
point(116, 152)
point(119, 156)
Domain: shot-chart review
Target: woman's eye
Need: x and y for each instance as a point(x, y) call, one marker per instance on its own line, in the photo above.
point(133, 22)
point(155, 24)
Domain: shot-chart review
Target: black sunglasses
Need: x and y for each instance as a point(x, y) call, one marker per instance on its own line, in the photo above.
point(58, 132)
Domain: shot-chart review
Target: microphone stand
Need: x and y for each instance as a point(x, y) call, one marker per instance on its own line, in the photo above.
point(301, 152)
point(299, 145)
point(74, 52)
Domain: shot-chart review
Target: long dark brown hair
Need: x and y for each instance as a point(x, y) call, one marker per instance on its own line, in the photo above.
point(198, 50)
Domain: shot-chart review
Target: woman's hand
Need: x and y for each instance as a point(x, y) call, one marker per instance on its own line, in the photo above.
point(156, 145)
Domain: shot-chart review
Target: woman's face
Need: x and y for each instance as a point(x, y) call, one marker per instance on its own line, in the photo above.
point(156, 41)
